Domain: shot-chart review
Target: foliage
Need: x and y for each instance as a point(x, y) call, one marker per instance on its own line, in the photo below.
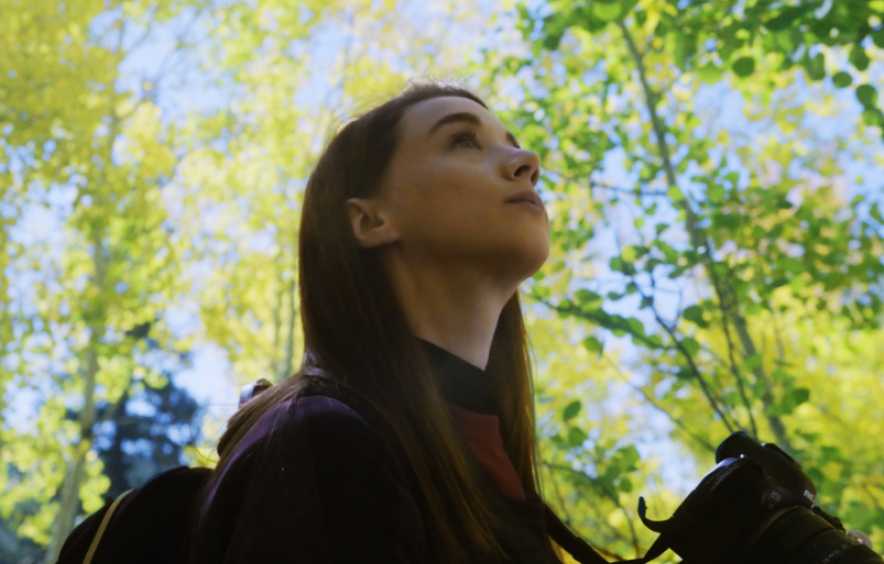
point(145, 433)
point(88, 266)
point(728, 247)
point(716, 264)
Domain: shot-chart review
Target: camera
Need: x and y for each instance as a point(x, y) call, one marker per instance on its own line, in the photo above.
point(755, 507)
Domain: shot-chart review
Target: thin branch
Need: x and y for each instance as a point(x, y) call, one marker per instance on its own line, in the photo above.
point(139, 42)
point(653, 401)
point(605, 322)
point(670, 329)
point(592, 185)
point(606, 493)
point(697, 238)
point(874, 499)
point(610, 323)
point(736, 372)
point(631, 191)
point(162, 70)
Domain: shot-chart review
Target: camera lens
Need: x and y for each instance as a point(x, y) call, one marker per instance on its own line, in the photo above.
point(800, 536)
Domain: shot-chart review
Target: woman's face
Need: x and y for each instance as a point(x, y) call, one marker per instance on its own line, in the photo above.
point(443, 198)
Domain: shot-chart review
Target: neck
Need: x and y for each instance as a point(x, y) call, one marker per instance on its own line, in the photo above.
point(456, 310)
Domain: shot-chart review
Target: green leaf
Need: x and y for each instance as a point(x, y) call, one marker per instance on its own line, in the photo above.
point(816, 67)
point(629, 458)
point(792, 398)
point(779, 375)
point(744, 66)
point(842, 79)
point(875, 212)
point(571, 410)
point(593, 345)
point(873, 117)
point(625, 485)
point(715, 193)
point(709, 73)
point(691, 345)
point(675, 194)
point(785, 18)
point(797, 283)
point(752, 362)
point(636, 326)
point(551, 41)
point(607, 12)
point(858, 58)
point(878, 38)
point(799, 396)
point(587, 299)
point(619, 264)
point(685, 48)
point(684, 373)
point(693, 313)
point(867, 95)
point(575, 437)
point(754, 309)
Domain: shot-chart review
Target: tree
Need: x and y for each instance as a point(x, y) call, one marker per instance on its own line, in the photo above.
point(713, 262)
point(725, 231)
point(87, 150)
point(249, 162)
point(146, 434)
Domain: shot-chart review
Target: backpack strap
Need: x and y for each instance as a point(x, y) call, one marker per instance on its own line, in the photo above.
point(104, 522)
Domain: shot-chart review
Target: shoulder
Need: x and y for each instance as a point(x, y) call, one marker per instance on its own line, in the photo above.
point(318, 416)
point(312, 473)
point(319, 428)
point(313, 441)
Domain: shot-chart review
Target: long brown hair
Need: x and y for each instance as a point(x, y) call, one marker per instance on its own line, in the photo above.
point(356, 334)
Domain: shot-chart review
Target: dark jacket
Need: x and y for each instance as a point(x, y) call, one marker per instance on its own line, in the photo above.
point(319, 481)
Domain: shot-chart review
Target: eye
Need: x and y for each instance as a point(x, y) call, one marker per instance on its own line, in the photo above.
point(464, 137)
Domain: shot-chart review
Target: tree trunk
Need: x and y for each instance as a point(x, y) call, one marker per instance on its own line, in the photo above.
point(70, 493)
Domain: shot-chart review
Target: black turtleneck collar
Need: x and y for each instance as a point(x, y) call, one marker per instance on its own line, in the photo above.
point(463, 384)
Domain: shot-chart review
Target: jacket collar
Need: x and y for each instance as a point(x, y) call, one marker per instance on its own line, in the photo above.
point(463, 384)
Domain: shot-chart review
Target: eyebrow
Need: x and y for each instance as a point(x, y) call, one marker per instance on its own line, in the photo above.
point(467, 117)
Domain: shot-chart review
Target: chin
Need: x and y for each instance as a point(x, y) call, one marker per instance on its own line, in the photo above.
point(531, 262)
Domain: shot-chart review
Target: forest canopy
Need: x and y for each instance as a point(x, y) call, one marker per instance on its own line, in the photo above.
point(712, 171)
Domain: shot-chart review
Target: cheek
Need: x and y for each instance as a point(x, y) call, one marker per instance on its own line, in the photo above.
point(460, 200)
point(461, 210)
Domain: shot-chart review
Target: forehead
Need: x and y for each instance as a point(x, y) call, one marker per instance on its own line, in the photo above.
point(419, 118)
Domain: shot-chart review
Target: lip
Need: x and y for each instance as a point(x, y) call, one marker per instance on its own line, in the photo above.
point(530, 195)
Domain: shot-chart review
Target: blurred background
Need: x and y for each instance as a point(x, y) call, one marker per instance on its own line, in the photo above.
point(713, 172)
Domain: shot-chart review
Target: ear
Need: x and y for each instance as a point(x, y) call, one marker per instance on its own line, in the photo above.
point(371, 226)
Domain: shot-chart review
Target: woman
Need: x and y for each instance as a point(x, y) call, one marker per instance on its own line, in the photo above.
point(411, 255)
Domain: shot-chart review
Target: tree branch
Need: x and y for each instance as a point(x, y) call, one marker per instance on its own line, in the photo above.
point(697, 238)
point(653, 401)
point(606, 493)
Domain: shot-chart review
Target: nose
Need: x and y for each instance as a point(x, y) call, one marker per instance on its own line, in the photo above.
point(523, 165)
